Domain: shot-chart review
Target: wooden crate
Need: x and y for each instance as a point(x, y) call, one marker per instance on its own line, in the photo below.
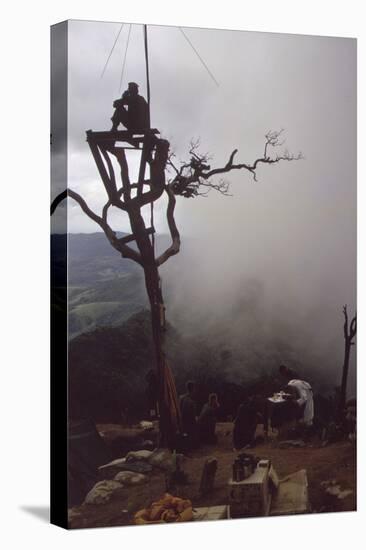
point(250, 497)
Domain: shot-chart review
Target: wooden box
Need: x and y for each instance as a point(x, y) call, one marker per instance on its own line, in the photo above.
point(250, 497)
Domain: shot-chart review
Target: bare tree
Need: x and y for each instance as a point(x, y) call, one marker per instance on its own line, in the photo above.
point(349, 331)
point(192, 178)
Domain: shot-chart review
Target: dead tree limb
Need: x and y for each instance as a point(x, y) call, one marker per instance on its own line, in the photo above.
point(195, 174)
point(123, 249)
point(174, 233)
point(349, 331)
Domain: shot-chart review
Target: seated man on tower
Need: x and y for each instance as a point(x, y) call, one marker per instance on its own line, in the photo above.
point(136, 116)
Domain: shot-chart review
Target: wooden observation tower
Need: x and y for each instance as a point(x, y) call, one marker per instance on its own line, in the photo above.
point(110, 152)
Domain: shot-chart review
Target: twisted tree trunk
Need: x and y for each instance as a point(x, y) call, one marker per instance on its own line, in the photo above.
point(166, 425)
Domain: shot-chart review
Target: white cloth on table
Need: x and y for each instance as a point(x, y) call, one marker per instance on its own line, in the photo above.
point(306, 398)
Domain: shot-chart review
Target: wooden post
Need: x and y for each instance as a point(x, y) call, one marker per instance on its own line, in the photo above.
point(208, 476)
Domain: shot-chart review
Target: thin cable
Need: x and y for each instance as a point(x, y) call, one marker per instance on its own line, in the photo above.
point(199, 57)
point(148, 103)
point(147, 69)
point(110, 53)
point(124, 59)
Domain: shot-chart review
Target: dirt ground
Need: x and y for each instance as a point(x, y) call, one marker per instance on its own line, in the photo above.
point(336, 461)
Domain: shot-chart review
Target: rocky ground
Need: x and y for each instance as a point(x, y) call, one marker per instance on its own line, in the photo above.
point(331, 472)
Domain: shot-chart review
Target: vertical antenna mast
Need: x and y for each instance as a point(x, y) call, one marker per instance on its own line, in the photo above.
point(149, 122)
point(147, 71)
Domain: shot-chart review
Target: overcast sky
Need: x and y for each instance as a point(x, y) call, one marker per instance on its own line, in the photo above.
point(303, 84)
point(294, 229)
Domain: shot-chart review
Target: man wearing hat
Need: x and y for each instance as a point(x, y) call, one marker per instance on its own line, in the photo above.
point(136, 117)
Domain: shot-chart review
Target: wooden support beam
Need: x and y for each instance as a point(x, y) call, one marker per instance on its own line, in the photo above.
point(143, 161)
point(132, 147)
point(123, 135)
point(102, 170)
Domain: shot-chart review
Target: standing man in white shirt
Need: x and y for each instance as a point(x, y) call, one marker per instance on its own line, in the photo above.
point(303, 395)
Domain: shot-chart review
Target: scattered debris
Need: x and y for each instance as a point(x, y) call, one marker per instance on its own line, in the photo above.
point(161, 458)
point(210, 513)
point(114, 463)
point(291, 443)
point(334, 489)
point(168, 509)
point(328, 482)
point(137, 465)
point(103, 491)
point(72, 514)
point(135, 456)
point(108, 471)
point(288, 495)
point(131, 478)
point(146, 425)
point(140, 467)
point(148, 445)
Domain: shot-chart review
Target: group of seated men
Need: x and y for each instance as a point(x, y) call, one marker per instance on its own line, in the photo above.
point(297, 408)
point(201, 428)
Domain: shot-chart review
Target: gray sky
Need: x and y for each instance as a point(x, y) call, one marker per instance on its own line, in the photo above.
point(303, 84)
point(294, 229)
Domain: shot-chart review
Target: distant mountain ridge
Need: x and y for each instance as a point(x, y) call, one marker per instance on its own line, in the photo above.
point(104, 289)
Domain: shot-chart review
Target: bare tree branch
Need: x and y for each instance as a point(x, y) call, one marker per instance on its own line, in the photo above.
point(192, 178)
point(124, 249)
point(174, 233)
point(353, 328)
point(345, 326)
point(349, 330)
point(349, 334)
point(58, 200)
point(192, 175)
point(105, 211)
point(125, 190)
